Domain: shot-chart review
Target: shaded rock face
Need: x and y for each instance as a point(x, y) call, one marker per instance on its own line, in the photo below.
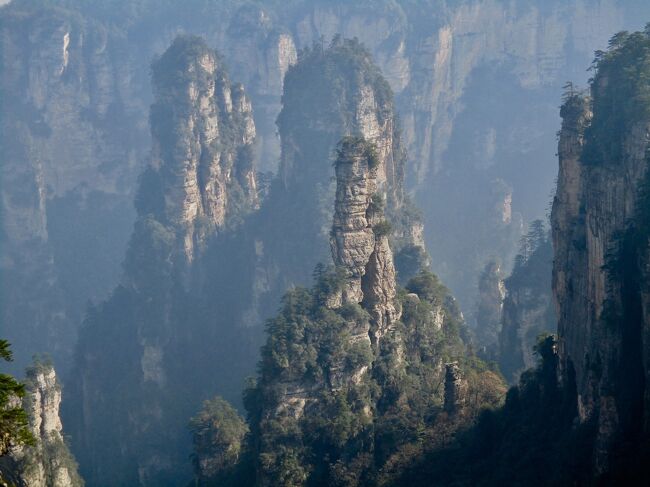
point(77, 95)
point(492, 292)
point(455, 389)
point(48, 463)
point(599, 234)
point(528, 310)
point(199, 185)
point(72, 136)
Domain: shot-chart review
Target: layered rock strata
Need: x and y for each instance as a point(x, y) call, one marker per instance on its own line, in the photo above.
point(203, 131)
point(48, 463)
point(360, 235)
point(200, 184)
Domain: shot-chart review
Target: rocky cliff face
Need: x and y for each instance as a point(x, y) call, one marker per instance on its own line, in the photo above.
point(71, 138)
point(203, 131)
point(492, 292)
point(600, 239)
point(200, 183)
point(349, 359)
point(77, 89)
point(48, 463)
point(360, 236)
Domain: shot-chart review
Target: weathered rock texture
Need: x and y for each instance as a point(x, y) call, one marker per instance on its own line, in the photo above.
point(203, 131)
point(455, 389)
point(599, 233)
point(360, 235)
point(75, 132)
point(72, 136)
point(200, 183)
point(350, 352)
point(48, 463)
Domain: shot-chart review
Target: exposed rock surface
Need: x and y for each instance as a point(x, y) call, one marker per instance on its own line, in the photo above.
point(48, 463)
point(599, 233)
point(200, 183)
point(492, 292)
point(203, 132)
point(360, 235)
point(76, 135)
point(455, 389)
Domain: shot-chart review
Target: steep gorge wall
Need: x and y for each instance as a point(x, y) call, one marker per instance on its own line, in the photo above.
point(47, 463)
point(76, 136)
point(600, 238)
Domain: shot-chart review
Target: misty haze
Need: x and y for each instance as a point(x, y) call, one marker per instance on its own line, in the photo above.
point(313, 243)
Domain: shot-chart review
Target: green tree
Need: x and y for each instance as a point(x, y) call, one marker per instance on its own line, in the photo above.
point(14, 428)
point(218, 432)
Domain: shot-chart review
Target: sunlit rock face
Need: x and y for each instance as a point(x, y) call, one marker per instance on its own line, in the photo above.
point(48, 463)
point(77, 136)
point(202, 131)
point(358, 239)
point(332, 91)
point(200, 183)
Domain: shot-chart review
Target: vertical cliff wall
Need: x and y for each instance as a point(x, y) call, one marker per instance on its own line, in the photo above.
point(600, 239)
point(203, 131)
point(130, 372)
point(76, 134)
point(48, 463)
point(353, 369)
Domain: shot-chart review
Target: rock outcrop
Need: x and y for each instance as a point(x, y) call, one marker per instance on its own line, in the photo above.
point(360, 235)
point(455, 389)
point(492, 292)
point(203, 131)
point(349, 359)
point(200, 184)
point(48, 463)
point(599, 223)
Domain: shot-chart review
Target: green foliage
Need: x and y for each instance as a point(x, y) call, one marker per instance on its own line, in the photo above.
point(382, 229)
point(320, 95)
point(533, 262)
point(218, 433)
point(410, 260)
point(529, 441)
point(14, 424)
point(621, 96)
point(350, 147)
point(341, 411)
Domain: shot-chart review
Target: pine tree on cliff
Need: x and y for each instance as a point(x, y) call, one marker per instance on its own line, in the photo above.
point(14, 427)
